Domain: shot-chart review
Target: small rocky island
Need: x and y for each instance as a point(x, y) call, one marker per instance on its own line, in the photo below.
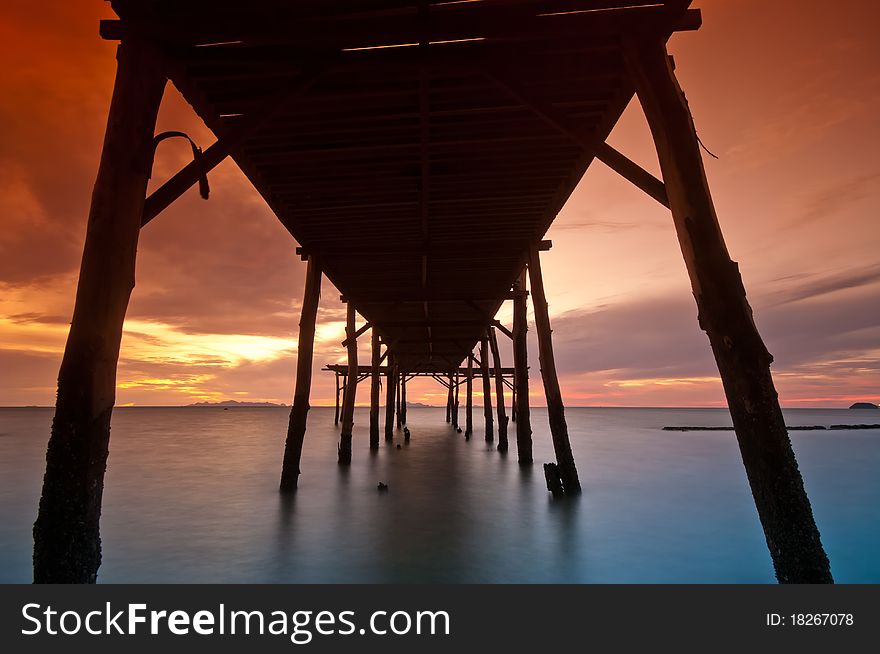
point(864, 405)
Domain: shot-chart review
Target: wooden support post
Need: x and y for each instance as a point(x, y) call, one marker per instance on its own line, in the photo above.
point(499, 391)
point(397, 381)
point(350, 389)
point(513, 403)
point(725, 315)
point(469, 399)
point(487, 389)
point(555, 408)
point(299, 410)
point(455, 403)
point(338, 389)
point(374, 391)
point(67, 542)
point(390, 387)
point(521, 372)
point(403, 399)
point(449, 393)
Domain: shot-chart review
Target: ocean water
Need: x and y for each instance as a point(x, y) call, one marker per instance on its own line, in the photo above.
point(191, 496)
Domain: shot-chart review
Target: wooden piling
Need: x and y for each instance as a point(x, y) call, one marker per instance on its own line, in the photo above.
point(398, 381)
point(469, 399)
point(521, 372)
point(336, 419)
point(487, 389)
point(449, 397)
point(67, 543)
point(390, 387)
point(345, 434)
point(374, 390)
point(403, 399)
point(725, 315)
point(555, 408)
point(455, 402)
point(499, 391)
point(299, 410)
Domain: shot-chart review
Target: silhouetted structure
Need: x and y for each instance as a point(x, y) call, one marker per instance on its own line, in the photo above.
point(418, 152)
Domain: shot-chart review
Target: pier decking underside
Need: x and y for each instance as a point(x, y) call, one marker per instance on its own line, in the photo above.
point(406, 146)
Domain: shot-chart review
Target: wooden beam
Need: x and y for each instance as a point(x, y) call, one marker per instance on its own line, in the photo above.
point(67, 543)
point(299, 410)
point(374, 391)
point(455, 402)
point(521, 368)
point(344, 451)
point(360, 332)
point(501, 328)
point(555, 408)
point(585, 138)
point(483, 22)
point(499, 391)
point(725, 315)
point(183, 180)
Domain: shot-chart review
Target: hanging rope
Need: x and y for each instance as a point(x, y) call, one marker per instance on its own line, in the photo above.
point(204, 190)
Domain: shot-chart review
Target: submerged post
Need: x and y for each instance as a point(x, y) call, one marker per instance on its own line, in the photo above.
point(296, 426)
point(403, 398)
point(449, 397)
point(374, 390)
point(469, 399)
point(455, 402)
point(67, 542)
point(555, 409)
point(499, 391)
point(397, 380)
point(336, 419)
point(521, 372)
point(344, 452)
point(390, 386)
point(487, 389)
point(726, 317)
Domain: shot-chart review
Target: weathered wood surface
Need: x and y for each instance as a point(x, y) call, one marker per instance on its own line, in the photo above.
point(726, 317)
point(390, 388)
point(555, 408)
point(487, 390)
point(345, 435)
point(374, 390)
point(67, 542)
point(499, 391)
point(521, 372)
point(299, 410)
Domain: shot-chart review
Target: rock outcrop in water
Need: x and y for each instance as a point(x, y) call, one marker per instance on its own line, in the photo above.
point(864, 405)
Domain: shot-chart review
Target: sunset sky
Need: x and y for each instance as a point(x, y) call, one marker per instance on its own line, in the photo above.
point(786, 93)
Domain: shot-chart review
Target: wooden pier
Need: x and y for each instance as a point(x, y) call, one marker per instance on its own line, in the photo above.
point(417, 152)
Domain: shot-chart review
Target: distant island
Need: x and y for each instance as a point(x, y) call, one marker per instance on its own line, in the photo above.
point(231, 403)
point(419, 405)
point(864, 405)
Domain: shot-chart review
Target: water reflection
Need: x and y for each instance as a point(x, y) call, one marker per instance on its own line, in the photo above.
point(192, 495)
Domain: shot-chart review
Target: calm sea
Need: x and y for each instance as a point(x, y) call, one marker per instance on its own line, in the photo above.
point(191, 496)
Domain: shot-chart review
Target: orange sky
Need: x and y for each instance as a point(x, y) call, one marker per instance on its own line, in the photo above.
point(787, 93)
